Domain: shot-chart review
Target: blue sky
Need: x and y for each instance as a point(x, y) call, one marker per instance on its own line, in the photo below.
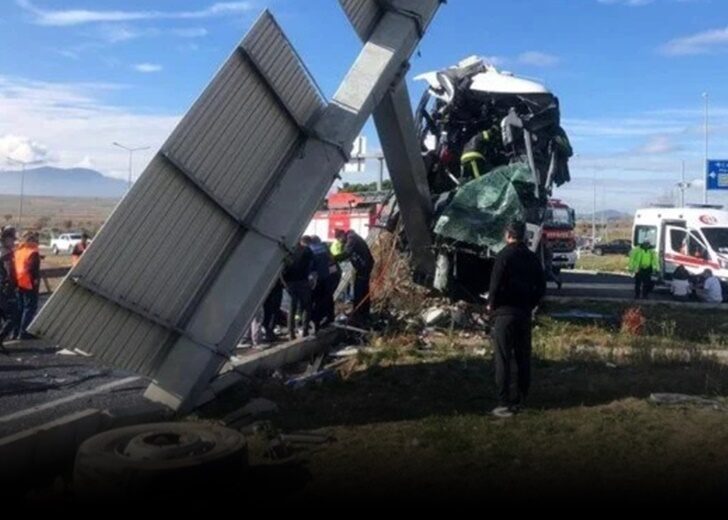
point(76, 75)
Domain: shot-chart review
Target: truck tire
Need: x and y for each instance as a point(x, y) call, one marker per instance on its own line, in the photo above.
point(55, 250)
point(598, 251)
point(158, 461)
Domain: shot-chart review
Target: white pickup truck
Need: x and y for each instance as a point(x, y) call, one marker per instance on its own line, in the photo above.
point(65, 243)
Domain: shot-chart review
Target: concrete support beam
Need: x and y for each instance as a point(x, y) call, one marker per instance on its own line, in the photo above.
point(397, 133)
point(396, 127)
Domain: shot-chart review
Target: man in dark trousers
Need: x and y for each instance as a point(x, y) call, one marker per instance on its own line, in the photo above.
point(321, 263)
point(296, 277)
point(271, 308)
point(27, 278)
point(517, 285)
point(8, 288)
point(643, 261)
point(357, 252)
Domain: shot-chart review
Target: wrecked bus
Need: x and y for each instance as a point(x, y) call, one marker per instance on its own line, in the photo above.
point(522, 153)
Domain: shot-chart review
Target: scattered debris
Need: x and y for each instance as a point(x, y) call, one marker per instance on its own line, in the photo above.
point(633, 321)
point(346, 352)
point(315, 366)
point(320, 376)
point(350, 328)
point(434, 316)
point(669, 399)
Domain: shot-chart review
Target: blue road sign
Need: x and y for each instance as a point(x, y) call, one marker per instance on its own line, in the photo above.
point(717, 175)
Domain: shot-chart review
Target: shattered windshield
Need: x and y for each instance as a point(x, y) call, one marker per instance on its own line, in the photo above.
point(717, 238)
point(559, 218)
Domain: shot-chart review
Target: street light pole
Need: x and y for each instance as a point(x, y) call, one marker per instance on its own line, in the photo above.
point(22, 165)
point(707, 131)
point(594, 211)
point(131, 156)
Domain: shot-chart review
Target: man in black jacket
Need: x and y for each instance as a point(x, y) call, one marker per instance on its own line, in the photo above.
point(517, 285)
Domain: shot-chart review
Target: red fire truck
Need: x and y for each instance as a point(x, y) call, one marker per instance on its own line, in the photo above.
point(347, 210)
point(558, 230)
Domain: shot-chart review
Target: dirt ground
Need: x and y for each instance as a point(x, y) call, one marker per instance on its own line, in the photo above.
point(410, 420)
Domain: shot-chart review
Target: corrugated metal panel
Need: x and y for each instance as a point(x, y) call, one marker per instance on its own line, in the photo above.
point(128, 299)
point(363, 15)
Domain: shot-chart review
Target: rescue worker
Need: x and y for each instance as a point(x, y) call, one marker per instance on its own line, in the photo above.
point(333, 284)
point(357, 252)
point(321, 264)
point(296, 278)
point(337, 248)
point(8, 291)
point(643, 262)
point(477, 159)
point(79, 249)
point(271, 308)
point(517, 285)
point(27, 279)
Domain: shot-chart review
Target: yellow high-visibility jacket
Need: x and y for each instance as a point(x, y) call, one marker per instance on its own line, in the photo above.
point(641, 258)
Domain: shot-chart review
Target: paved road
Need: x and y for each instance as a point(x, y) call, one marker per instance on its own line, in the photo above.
point(590, 285)
point(37, 386)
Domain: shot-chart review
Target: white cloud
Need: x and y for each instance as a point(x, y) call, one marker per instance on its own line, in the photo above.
point(69, 17)
point(528, 58)
point(87, 162)
point(20, 148)
point(77, 127)
point(538, 59)
point(659, 144)
point(147, 68)
point(705, 42)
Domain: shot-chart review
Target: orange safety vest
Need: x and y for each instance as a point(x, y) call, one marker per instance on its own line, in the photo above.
point(78, 250)
point(23, 277)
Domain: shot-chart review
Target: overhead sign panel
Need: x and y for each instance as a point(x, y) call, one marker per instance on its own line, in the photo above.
point(136, 287)
point(717, 175)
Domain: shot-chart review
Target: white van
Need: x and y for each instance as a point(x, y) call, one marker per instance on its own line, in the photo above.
point(695, 237)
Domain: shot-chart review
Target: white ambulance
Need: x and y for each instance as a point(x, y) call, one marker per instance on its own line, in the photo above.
point(695, 236)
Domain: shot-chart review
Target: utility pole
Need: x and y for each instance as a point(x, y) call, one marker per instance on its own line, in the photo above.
point(131, 156)
point(23, 165)
point(362, 158)
point(381, 173)
point(594, 211)
point(707, 131)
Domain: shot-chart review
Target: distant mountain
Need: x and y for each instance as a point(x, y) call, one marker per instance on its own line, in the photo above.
point(59, 182)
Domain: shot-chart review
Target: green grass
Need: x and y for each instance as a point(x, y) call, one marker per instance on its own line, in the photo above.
point(606, 263)
point(413, 422)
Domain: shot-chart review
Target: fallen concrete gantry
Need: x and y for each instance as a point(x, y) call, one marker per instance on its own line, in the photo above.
point(246, 168)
